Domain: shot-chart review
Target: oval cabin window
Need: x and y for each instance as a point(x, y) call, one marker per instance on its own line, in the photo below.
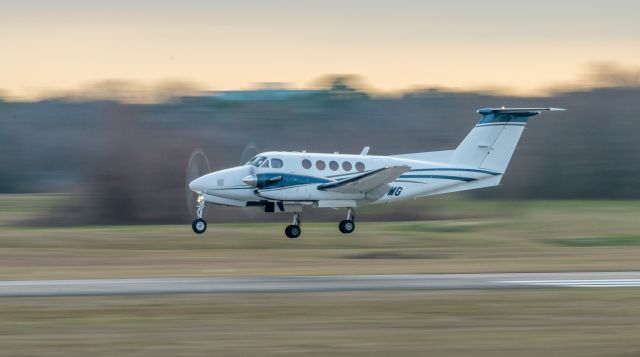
point(333, 165)
point(346, 166)
point(320, 165)
point(359, 166)
point(276, 163)
point(306, 164)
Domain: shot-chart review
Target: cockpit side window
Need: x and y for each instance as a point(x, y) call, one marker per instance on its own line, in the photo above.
point(266, 163)
point(276, 163)
point(257, 161)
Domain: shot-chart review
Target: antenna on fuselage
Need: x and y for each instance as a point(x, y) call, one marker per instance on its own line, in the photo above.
point(365, 150)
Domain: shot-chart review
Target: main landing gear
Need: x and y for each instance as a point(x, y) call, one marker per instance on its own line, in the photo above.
point(199, 225)
point(348, 225)
point(293, 230)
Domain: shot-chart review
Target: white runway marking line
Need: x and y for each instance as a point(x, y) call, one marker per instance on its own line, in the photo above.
point(584, 283)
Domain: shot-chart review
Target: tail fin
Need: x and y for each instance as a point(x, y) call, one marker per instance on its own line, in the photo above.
point(491, 143)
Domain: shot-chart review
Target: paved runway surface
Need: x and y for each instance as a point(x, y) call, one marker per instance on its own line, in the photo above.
point(317, 283)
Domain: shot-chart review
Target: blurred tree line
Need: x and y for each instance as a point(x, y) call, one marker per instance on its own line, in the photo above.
point(128, 160)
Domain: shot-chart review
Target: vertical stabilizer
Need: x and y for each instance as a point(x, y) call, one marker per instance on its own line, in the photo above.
point(493, 140)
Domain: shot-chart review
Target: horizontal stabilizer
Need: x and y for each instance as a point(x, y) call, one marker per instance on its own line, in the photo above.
point(515, 110)
point(367, 181)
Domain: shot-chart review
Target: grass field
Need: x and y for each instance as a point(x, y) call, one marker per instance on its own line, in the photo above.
point(468, 236)
point(522, 322)
point(462, 236)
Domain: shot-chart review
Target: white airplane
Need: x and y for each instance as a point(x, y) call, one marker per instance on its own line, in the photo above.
point(279, 181)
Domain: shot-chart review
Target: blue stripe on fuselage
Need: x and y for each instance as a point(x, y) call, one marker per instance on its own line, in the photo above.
point(287, 180)
point(292, 180)
point(464, 170)
point(441, 177)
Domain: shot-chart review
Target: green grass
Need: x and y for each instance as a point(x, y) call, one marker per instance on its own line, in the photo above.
point(597, 241)
point(438, 227)
point(465, 236)
point(525, 322)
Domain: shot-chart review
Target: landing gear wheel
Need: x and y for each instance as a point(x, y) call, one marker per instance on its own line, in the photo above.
point(199, 225)
point(346, 226)
point(293, 231)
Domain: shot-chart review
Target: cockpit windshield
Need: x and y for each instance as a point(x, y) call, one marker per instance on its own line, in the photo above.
point(257, 161)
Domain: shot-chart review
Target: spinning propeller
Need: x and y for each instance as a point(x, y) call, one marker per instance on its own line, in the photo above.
point(249, 152)
point(199, 166)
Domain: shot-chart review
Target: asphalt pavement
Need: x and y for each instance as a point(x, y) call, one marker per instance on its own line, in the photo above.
point(272, 284)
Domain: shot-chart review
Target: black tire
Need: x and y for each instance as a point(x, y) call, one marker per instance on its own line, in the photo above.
point(347, 226)
point(199, 226)
point(293, 231)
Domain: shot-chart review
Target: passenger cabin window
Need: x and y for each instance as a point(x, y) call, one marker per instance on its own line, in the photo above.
point(257, 161)
point(320, 165)
point(276, 163)
point(306, 164)
point(346, 166)
point(333, 165)
point(359, 166)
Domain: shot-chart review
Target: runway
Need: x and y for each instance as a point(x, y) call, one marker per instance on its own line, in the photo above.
point(273, 284)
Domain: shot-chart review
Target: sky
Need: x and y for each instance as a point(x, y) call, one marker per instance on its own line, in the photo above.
point(522, 46)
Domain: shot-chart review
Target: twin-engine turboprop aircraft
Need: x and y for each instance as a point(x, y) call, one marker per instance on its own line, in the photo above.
point(279, 181)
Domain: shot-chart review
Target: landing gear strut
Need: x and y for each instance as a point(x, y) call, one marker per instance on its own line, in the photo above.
point(293, 230)
point(199, 225)
point(348, 225)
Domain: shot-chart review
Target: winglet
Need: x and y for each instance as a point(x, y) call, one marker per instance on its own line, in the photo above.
point(365, 150)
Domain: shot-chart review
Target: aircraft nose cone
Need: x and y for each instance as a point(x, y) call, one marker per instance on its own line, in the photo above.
point(251, 180)
point(197, 185)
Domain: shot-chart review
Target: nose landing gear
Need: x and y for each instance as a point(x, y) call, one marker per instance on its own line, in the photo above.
point(199, 225)
point(348, 225)
point(293, 230)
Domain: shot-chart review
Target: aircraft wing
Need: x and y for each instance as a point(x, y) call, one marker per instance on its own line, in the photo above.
point(367, 181)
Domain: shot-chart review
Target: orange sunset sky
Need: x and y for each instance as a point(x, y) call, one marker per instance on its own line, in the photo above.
point(523, 46)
